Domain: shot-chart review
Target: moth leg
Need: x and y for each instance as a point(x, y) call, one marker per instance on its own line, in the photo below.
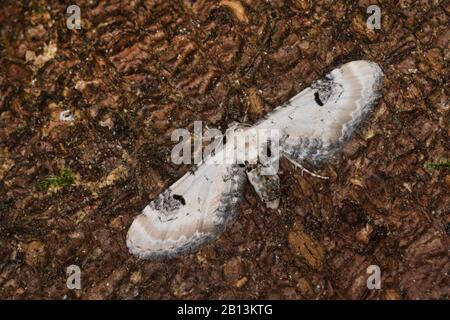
point(303, 169)
point(266, 186)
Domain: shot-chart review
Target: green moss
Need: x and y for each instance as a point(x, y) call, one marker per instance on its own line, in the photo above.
point(64, 179)
point(439, 166)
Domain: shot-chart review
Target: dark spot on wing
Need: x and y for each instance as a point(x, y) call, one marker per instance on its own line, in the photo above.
point(179, 199)
point(317, 99)
point(268, 148)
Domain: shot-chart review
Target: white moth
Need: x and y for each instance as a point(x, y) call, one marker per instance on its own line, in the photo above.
point(313, 125)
